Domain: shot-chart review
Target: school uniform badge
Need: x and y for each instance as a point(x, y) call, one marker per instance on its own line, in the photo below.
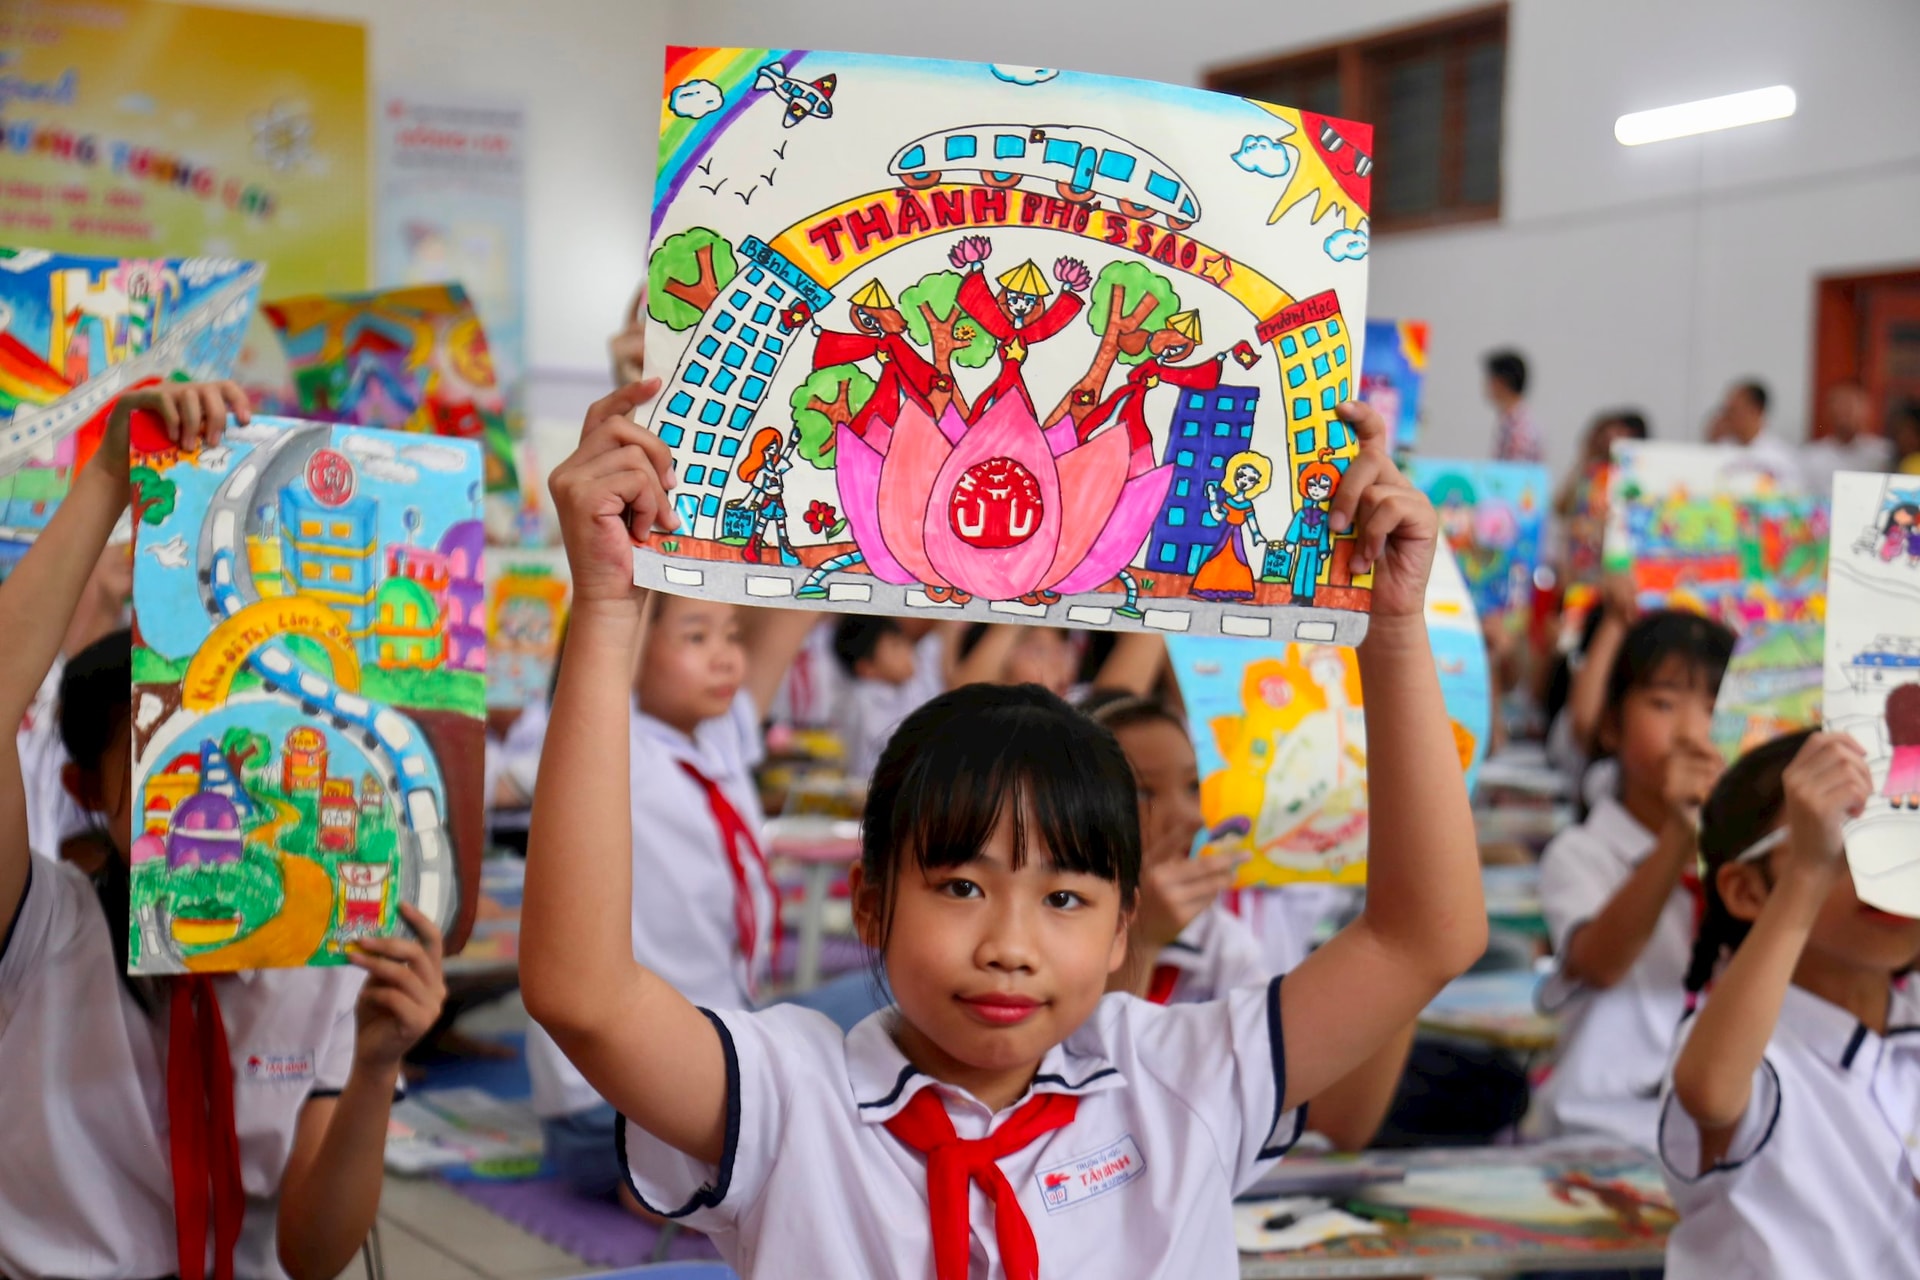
point(1067, 1186)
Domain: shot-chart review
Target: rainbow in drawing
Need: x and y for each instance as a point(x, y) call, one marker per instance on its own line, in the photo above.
point(685, 137)
point(26, 379)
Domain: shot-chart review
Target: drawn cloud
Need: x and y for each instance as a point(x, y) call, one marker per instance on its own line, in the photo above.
point(1268, 157)
point(1024, 75)
point(375, 458)
point(695, 98)
point(1344, 245)
point(24, 260)
point(252, 433)
point(435, 457)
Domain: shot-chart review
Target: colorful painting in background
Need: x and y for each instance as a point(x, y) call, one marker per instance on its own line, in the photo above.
point(1393, 371)
point(527, 594)
point(1772, 686)
point(309, 692)
point(1701, 527)
point(1281, 737)
point(141, 127)
point(1009, 343)
point(413, 359)
point(74, 333)
point(1494, 516)
point(1873, 675)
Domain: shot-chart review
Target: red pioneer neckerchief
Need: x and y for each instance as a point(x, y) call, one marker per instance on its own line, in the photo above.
point(742, 847)
point(204, 1147)
point(1160, 987)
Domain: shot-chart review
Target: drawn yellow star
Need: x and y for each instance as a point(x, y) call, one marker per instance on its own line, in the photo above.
point(1015, 350)
point(1217, 268)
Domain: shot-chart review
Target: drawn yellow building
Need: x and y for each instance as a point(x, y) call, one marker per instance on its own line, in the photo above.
point(1316, 377)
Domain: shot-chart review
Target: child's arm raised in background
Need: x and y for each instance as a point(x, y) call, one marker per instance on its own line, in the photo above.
point(986, 662)
point(38, 600)
point(643, 1046)
point(1827, 783)
point(1604, 950)
point(773, 639)
point(1135, 664)
point(1587, 699)
point(1425, 920)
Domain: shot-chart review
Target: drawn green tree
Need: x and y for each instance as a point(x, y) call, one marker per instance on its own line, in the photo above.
point(245, 750)
point(154, 497)
point(686, 274)
point(936, 320)
point(1128, 299)
point(826, 401)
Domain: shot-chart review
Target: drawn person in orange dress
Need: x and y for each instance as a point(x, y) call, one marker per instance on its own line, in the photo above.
point(1227, 575)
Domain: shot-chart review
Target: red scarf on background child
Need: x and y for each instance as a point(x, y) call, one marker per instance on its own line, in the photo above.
point(742, 848)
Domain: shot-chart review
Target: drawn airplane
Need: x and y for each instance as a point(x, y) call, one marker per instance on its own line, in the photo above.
point(803, 98)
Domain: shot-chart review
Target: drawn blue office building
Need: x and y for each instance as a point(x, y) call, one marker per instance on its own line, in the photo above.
point(1208, 428)
point(723, 376)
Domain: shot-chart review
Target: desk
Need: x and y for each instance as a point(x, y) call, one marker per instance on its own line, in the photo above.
point(1496, 1008)
point(1573, 1205)
point(823, 848)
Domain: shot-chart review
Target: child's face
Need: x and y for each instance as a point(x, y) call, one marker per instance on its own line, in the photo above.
point(1851, 933)
point(1676, 703)
point(1168, 779)
point(892, 661)
point(693, 664)
point(1044, 657)
point(993, 966)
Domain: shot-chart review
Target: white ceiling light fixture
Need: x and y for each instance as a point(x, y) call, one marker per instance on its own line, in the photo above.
point(1705, 116)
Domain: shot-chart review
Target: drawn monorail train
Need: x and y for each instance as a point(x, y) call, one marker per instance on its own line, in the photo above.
point(1078, 162)
point(1895, 658)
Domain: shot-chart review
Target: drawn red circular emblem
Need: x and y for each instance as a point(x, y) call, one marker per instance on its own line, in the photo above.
point(997, 504)
point(330, 477)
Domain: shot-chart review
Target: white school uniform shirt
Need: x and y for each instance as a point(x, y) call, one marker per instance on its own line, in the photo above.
point(1614, 1044)
point(1216, 953)
point(1820, 459)
point(1179, 1109)
point(683, 888)
point(52, 816)
point(870, 710)
point(1778, 459)
point(1819, 1179)
point(810, 693)
point(86, 1187)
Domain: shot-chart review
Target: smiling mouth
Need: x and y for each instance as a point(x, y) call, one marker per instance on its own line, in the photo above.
point(1000, 1010)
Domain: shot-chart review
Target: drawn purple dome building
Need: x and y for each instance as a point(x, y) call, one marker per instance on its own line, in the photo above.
point(466, 616)
point(205, 831)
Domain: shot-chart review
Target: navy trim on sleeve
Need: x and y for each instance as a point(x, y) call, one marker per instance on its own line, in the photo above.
point(26, 887)
point(1277, 1045)
point(1725, 1166)
point(323, 1093)
point(710, 1196)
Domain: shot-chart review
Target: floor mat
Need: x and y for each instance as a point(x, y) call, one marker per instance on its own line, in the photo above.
point(598, 1232)
point(501, 1077)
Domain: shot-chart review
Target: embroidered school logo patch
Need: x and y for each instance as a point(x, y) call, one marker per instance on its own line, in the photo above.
point(1091, 1176)
point(280, 1068)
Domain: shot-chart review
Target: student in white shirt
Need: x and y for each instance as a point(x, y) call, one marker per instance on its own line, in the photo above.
point(1619, 891)
point(1000, 862)
point(116, 1109)
point(1742, 420)
point(1788, 1133)
point(704, 913)
point(1185, 946)
point(888, 674)
point(1851, 443)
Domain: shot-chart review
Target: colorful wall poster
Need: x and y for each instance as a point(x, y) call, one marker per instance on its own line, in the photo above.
point(143, 128)
point(1393, 370)
point(1282, 741)
point(309, 692)
point(74, 333)
point(1007, 343)
point(452, 208)
point(1771, 687)
point(1704, 527)
point(411, 359)
point(527, 595)
point(1494, 516)
point(1873, 675)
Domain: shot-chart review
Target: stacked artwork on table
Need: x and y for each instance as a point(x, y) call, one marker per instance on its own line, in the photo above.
point(410, 359)
point(76, 332)
point(1873, 675)
point(309, 692)
point(1007, 343)
point(1281, 738)
point(1393, 374)
point(1706, 528)
point(1494, 518)
point(527, 595)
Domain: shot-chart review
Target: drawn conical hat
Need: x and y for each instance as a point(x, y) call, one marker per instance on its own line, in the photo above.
point(1187, 325)
point(873, 296)
point(1026, 278)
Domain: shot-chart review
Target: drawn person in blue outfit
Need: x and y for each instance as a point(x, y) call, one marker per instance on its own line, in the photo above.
point(1308, 541)
point(765, 469)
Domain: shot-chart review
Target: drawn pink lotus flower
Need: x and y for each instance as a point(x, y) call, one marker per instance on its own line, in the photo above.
point(990, 511)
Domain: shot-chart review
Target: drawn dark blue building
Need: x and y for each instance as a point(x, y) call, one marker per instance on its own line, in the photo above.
point(1208, 428)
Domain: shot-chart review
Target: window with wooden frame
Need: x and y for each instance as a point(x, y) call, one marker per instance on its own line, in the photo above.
point(1434, 95)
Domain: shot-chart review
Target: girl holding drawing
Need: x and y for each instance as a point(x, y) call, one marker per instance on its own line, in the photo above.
point(997, 884)
point(1788, 1123)
point(233, 1123)
point(1227, 576)
point(765, 469)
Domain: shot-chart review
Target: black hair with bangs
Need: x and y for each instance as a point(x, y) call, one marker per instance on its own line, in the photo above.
point(1700, 647)
point(955, 766)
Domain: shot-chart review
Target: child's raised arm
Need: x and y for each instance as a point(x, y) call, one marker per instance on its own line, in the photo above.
point(774, 638)
point(39, 598)
point(646, 1050)
point(1827, 782)
point(1425, 920)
